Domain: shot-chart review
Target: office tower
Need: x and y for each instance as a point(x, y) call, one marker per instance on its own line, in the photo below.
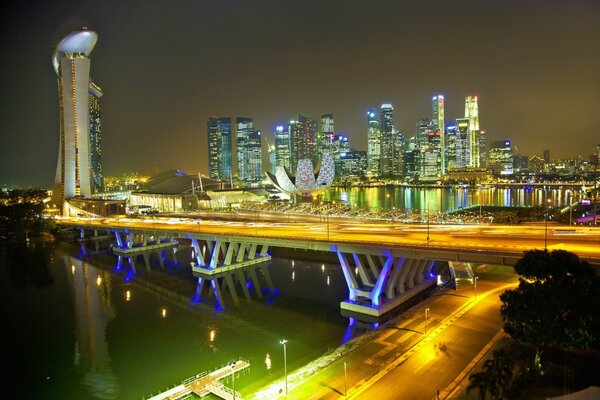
point(483, 148)
point(520, 163)
point(219, 148)
point(303, 137)
point(71, 63)
point(439, 124)
point(462, 143)
point(283, 146)
point(398, 154)
point(410, 161)
point(272, 158)
point(353, 162)
point(96, 138)
point(500, 159)
point(472, 114)
point(386, 115)
point(536, 164)
point(450, 150)
point(546, 154)
point(255, 157)
point(373, 144)
point(339, 145)
point(244, 129)
point(325, 135)
point(428, 143)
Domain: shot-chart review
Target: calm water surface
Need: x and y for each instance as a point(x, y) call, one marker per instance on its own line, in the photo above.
point(451, 198)
point(90, 328)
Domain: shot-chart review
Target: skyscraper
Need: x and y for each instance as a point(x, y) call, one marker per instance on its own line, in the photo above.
point(71, 63)
point(462, 143)
point(439, 124)
point(303, 137)
point(219, 148)
point(472, 113)
point(96, 138)
point(386, 115)
point(501, 158)
point(338, 146)
point(244, 129)
point(255, 157)
point(282, 146)
point(373, 144)
point(450, 144)
point(326, 134)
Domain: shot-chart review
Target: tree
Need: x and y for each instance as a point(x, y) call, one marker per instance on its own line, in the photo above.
point(495, 377)
point(557, 302)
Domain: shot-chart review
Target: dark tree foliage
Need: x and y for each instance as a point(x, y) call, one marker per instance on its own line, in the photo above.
point(495, 377)
point(557, 302)
point(21, 212)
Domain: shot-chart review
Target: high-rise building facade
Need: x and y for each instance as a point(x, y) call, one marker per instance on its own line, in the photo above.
point(71, 61)
point(254, 157)
point(96, 138)
point(450, 147)
point(325, 135)
point(500, 160)
point(353, 163)
point(373, 144)
point(472, 114)
point(282, 146)
point(463, 155)
point(338, 146)
point(244, 129)
point(219, 148)
point(439, 124)
point(386, 115)
point(303, 137)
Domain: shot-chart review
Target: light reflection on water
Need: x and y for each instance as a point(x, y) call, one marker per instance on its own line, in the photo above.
point(450, 198)
point(136, 329)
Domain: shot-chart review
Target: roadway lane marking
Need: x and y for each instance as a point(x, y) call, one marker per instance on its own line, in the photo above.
point(427, 339)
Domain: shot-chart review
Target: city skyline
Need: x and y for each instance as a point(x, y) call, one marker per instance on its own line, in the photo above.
point(166, 72)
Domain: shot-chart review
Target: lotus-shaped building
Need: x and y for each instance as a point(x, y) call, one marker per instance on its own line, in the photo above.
point(306, 179)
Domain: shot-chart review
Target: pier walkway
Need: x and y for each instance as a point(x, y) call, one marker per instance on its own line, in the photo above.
point(205, 383)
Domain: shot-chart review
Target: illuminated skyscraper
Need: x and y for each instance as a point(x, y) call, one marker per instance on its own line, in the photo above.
point(386, 115)
point(501, 158)
point(472, 114)
point(282, 146)
point(462, 143)
point(255, 157)
point(303, 137)
point(450, 151)
point(96, 138)
point(439, 124)
point(219, 148)
point(338, 146)
point(373, 144)
point(74, 175)
point(244, 129)
point(325, 135)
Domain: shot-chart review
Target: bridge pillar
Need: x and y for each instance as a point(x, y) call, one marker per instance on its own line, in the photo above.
point(393, 281)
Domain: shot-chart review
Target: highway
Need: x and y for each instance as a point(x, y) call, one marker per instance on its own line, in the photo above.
point(504, 239)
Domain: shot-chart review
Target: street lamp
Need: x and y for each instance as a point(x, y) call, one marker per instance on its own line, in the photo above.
point(345, 381)
point(233, 384)
point(546, 226)
point(284, 342)
point(475, 284)
point(426, 312)
point(479, 201)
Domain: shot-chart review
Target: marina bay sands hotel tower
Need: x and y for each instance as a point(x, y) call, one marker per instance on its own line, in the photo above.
point(79, 169)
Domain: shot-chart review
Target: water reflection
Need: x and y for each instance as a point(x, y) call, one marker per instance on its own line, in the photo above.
point(91, 288)
point(450, 198)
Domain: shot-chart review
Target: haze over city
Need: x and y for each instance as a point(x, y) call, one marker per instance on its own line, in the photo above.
point(166, 69)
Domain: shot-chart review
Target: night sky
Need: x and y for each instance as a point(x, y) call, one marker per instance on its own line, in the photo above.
point(166, 66)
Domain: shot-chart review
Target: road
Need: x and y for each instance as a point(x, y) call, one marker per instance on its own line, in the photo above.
point(511, 240)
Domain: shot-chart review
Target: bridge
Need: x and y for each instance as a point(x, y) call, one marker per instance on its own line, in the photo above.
point(383, 264)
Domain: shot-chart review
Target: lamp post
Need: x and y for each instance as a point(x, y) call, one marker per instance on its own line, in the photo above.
point(546, 226)
point(345, 381)
point(426, 312)
point(479, 201)
point(475, 284)
point(284, 343)
point(233, 384)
